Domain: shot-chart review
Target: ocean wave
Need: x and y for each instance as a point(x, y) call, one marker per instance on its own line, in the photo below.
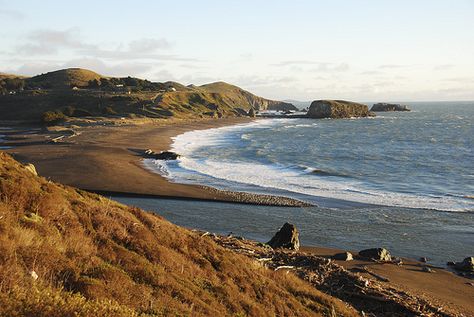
point(157, 166)
point(291, 180)
point(294, 126)
point(199, 168)
point(319, 172)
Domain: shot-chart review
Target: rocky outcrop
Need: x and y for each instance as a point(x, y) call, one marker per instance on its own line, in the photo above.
point(337, 109)
point(251, 113)
point(165, 155)
point(466, 265)
point(382, 106)
point(287, 237)
point(376, 254)
point(280, 106)
point(344, 256)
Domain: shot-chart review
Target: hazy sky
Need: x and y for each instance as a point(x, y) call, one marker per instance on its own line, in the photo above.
point(358, 50)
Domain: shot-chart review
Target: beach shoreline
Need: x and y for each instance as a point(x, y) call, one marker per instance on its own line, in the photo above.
point(109, 159)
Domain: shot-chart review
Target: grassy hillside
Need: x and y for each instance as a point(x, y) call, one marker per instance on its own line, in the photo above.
point(64, 78)
point(78, 92)
point(65, 252)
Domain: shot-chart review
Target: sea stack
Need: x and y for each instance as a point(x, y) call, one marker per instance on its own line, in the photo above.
point(337, 109)
point(383, 106)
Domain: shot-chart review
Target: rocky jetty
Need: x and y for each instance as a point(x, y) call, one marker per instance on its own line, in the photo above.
point(383, 106)
point(337, 109)
point(287, 237)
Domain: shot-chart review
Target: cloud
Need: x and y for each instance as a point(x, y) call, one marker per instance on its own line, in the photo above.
point(294, 62)
point(443, 67)
point(110, 69)
point(371, 72)
point(11, 14)
point(246, 56)
point(35, 68)
point(392, 66)
point(330, 67)
point(51, 42)
point(263, 81)
point(461, 80)
point(48, 42)
point(194, 78)
point(146, 48)
point(318, 66)
point(148, 44)
point(97, 65)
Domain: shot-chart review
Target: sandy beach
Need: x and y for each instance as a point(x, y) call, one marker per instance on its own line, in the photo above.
point(108, 159)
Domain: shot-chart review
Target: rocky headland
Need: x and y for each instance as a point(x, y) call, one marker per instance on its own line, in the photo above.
point(337, 109)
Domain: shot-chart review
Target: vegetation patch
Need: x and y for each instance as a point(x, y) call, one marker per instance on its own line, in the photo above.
point(65, 252)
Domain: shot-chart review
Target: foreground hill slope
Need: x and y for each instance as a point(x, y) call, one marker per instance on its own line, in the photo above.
point(65, 252)
point(76, 92)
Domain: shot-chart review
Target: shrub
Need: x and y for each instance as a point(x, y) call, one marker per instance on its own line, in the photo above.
point(69, 110)
point(53, 117)
point(109, 110)
point(81, 113)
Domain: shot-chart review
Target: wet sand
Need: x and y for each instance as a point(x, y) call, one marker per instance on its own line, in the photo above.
point(108, 159)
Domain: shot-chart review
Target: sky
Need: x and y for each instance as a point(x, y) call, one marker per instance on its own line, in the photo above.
point(358, 50)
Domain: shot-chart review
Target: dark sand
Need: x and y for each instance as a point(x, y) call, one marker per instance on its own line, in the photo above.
point(108, 159)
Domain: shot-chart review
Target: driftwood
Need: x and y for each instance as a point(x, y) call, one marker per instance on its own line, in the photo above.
point(377, 276)
point(371, 297)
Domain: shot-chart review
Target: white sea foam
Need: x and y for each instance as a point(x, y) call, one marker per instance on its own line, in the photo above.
point(274, 176)
point(268, 176)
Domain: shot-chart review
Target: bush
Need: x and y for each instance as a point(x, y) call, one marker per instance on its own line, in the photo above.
point(109, 110)
point(53, 117)
point(69, 111)
point(81, 113)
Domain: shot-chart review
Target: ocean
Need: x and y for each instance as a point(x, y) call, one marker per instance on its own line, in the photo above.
point(402, 180)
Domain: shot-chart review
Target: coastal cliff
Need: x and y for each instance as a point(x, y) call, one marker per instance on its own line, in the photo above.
point(337, 109)
point(382, 106)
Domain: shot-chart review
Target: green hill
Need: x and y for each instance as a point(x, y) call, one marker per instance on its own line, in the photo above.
point(65, 252)
point(78, 92)
point(64, 78)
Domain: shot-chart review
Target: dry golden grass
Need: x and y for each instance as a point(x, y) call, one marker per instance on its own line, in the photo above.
point(94, 256)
